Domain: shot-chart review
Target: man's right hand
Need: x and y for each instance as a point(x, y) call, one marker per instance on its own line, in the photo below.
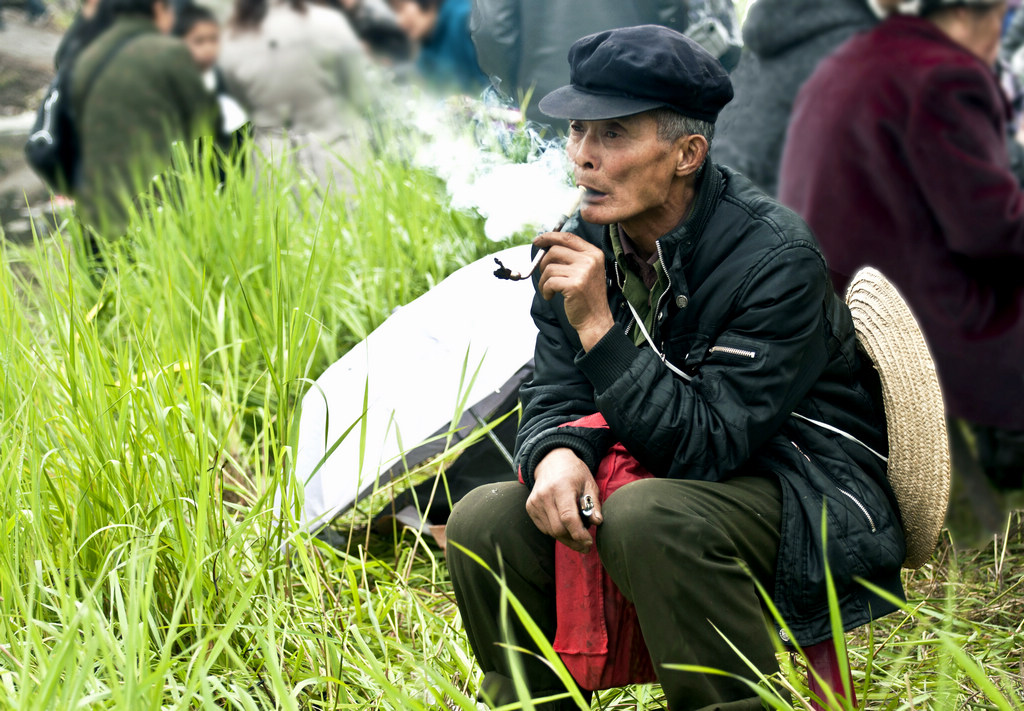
point(574, 268)
point(560, 480)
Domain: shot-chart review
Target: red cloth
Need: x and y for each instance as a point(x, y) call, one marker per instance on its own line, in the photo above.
point(598, 635)
point(896, 156)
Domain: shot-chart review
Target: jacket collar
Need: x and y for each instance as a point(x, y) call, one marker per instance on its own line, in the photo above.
point(925, 29)
point(677, 246)
point(910, 27)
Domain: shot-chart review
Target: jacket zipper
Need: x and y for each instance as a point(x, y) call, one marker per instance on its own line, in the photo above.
point(862, 507)
point(733, 351)
point(800, 450)
point(668, 286)
point(618, 282)
point(844, 492)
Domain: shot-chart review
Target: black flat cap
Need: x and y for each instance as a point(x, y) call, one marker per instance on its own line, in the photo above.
point(633, 69)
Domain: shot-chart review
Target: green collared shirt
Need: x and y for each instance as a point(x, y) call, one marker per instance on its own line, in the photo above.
point(637, 293)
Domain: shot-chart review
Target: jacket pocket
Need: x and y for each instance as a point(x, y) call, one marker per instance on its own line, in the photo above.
point(860, 505)
point(734, 350)
point(850, 497)
point(731, 351)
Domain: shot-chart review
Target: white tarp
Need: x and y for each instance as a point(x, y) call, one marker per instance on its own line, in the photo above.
point(470, 327)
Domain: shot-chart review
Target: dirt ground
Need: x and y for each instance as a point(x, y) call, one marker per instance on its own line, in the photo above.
point(26, 67)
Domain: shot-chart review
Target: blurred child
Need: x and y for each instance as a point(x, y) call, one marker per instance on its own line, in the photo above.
point(199, 28)
point(447, 57)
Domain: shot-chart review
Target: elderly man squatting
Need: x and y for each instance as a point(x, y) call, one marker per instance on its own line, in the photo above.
point(684, 317)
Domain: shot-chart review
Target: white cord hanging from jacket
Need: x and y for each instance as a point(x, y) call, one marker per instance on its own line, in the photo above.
point(688, 378)
point(647, 337)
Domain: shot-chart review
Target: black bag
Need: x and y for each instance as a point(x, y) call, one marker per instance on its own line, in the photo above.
point(52, 147)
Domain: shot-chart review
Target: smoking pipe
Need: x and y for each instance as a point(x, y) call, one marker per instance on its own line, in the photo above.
point(503, 272)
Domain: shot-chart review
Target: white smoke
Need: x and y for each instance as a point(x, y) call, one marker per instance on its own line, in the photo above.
point(467, 142)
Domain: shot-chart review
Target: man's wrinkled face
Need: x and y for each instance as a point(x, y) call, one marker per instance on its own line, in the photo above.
point(203, 42)
point(626, 169)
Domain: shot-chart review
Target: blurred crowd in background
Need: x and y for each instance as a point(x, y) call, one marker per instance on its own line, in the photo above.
point(891, 127)
point(306, 78)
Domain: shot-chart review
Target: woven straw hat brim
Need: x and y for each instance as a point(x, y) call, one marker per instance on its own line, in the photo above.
point(919, 463)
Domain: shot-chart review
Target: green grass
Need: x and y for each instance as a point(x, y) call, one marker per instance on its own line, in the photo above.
point(147, 419)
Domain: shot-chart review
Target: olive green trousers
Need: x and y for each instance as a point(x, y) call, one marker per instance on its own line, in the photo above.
point(685, 553)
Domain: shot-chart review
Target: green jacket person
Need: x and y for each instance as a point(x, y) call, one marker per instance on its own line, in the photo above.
point(148, 95)
point(686, 328)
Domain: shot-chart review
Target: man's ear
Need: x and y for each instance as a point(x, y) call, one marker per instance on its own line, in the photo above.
point(691, 152)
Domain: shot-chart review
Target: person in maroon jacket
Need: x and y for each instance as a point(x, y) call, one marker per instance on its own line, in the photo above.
point(896, 156)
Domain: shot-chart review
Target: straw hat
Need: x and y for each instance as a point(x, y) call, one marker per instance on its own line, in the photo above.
point(918, 468)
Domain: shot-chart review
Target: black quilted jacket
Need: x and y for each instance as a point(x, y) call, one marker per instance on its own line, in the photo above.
point(752, 321)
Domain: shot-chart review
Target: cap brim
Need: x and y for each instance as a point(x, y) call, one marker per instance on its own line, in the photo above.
point(570, 102)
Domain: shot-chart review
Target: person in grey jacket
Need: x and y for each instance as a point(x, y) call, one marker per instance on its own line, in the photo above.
point(300, 71)
point(521, 44)
point(783, 42)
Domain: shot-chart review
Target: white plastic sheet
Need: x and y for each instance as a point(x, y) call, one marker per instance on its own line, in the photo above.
point(471, 329)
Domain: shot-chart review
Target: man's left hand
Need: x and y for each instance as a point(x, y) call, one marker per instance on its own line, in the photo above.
point(574, 268)
point(561, 478)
